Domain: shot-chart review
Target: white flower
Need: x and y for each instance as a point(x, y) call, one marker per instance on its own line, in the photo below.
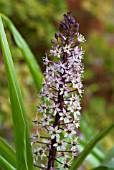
point(56, 52)
point(34, 138)
point(46, 60)
point(75, 81)
point(62, 67)
point(55, 108)
point(57, 82)
point(54, 132)
point(66, 164)
point(74, 145)
point(74, 100)
point(47, 141)
point(39, 152)
point(76, 50)
point(42, 108)
point(67, 49)
point(46, 120)
point(60, 145)
point(76, 113)
point(76, 122)
point(73, 103)
point(35, 121)
point(64, 90)
point(68, 73)
point(43, 166)
point(81, 38)
point(74, 153)
point(45, 94)
point(52, 72)
point(79, 88)
point(65, 116)
point(78, 54)
point(69, 131)
point(65, 155)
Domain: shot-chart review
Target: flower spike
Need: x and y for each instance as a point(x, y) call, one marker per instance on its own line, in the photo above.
point(59, 112)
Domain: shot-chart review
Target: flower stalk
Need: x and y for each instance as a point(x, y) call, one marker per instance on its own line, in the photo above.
point(62, 89)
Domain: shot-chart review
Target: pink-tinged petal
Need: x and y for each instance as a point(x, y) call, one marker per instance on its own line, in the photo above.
point(59, 131)
point(57, 136)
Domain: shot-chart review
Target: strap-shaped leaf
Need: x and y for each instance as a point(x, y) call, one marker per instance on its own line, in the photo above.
point(88, 133)
point(88, 148)
point(20, 124)
point(7, 153)
point(27, 53)
point(96, 152)
point(5, 165)
point(108, 162)
point(102, 168)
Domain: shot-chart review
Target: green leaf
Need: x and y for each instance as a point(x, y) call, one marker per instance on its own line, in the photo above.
point(97, 155)
point(7, 153)
point(102, 168)
point(109, 163)
point(20, 124)
point(110, 154)
point(84, 128)
point(96, 152)
point(27, 53)
point(88, 148)
point(5, 165)
point(93, 160)
point(109, 160)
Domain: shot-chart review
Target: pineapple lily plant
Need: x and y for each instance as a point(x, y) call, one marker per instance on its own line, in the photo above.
point(54, 141)
point(61, 92)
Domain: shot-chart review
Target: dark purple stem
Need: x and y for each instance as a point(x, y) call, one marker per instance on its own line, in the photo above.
point(52, 153)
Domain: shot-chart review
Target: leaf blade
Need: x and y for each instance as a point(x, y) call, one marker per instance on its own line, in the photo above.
point(21, 130)
point(6, 165)
point(27, 53)
point(10, 156)
point(90, 146)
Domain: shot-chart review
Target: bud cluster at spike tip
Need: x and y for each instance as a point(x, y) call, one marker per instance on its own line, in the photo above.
point(57, 120)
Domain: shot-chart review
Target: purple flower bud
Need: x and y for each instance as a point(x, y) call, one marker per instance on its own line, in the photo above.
point(56, 36)
point(52, 41)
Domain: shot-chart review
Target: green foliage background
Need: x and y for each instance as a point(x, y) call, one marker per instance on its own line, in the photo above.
point(37, 21)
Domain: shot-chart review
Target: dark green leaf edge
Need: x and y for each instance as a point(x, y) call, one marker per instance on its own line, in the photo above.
point(88, 148)
point(27, 53)
point(21, 130)
point(7, 153)
point(5, 165)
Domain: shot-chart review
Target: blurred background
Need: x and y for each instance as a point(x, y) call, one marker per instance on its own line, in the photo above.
point(37, 21)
